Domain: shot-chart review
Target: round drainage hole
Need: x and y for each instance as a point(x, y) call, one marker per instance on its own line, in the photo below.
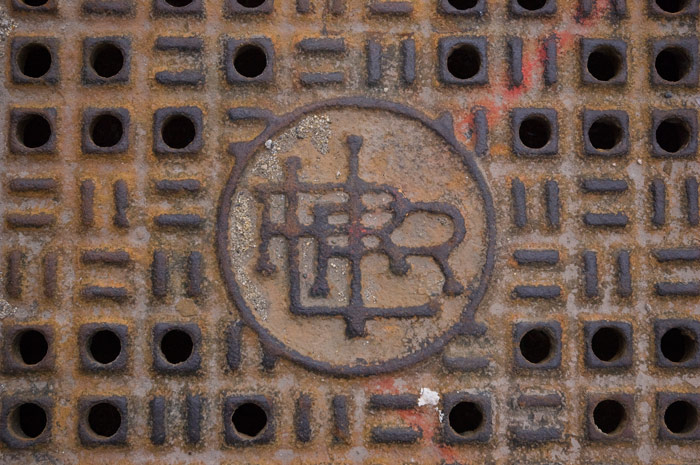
point(105, 346)
point(681, 417)
point(604, 63)
point(672, 64)
point(678, 345)
point(609, 416)
point(106, 130)
point(34, 60)
point(532, 5)
point(178, 132)
point(104, 419)
point(178, 3)
point(605, 134)
point(33, 131)
point(672, 6)
point(462, 4)
point(672, 135)
point(35, 2)
point(608, 344)
point(250, 3)
point(28, 420)
point(466, 417)
point(535, 132)
point(107, 60)
point(249, 419)
point(536, 346)
point(176, 346)
point(250, 61)
point(464, 62)
point(32, 347)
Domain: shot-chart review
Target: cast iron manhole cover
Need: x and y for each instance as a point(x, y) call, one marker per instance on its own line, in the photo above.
point(333, 231)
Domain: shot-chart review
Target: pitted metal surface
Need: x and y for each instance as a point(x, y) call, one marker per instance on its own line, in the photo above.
point(338, 231)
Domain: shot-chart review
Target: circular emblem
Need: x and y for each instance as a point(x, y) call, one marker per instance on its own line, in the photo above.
point(355, 236)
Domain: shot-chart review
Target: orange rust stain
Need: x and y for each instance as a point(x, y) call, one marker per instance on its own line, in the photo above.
point(501, 98)
point(503, 95)
point(385, 385)
point(427, 420)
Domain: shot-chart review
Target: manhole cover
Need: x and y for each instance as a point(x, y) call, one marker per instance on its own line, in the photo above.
point(322, 231)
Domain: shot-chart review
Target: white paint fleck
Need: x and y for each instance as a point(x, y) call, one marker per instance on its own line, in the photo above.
point(428, 397)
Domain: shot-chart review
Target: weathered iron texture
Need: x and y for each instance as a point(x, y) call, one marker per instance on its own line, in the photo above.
point(349, 232)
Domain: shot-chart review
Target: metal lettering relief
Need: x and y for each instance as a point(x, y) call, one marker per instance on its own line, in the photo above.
point(372, 237)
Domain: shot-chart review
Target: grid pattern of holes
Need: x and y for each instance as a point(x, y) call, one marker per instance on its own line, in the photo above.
point(213, 106)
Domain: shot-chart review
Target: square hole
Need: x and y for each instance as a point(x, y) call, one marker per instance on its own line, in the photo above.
point(248, 420)
point(609, 417)
point(249, 6)
point(675, 62)
point(34, 60)
point(603, 61)
point(467, 418)
point(102, 420)
point(32, 131)
point(463, 60)
point(26, 421)
point(673, 8)
point(249, 60)
point(29, 348)
point(605, 133)
point(677, 343)
point(674, 133)
point(40, 6)
point(533, 7)
point(105, 130)
point(178, 7)
point(535, 131)
point(106, 60)
point(178, 130)
point(677, 416)
point(103, 347)
point(463, 7)
point(608, 344)
point(537, 345)
point(177, 347)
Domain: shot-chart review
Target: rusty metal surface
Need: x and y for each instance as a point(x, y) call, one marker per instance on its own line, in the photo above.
point(336, 231)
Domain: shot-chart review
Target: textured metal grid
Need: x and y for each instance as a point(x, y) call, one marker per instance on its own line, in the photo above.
point(124, 237)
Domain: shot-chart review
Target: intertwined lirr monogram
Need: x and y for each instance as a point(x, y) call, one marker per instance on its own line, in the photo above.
point(356, 313)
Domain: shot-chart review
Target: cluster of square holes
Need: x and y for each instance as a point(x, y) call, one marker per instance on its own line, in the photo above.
point(103, 347)
point(608, 344)
point(26, 421)
point(178, 130)
point(605, 132)
point(463, 60)
point(107, 60)
point(160, 7)
point(526, 8)
point(176, 347)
